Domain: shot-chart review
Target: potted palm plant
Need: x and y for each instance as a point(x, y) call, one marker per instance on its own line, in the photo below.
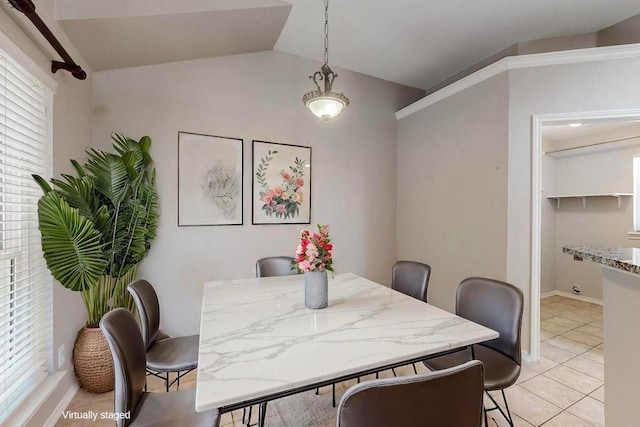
point(96, 228)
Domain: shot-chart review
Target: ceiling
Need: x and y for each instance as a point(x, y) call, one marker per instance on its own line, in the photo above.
point(414, 42)
point(565, 131)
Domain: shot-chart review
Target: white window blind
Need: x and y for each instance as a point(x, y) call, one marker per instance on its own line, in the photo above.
point(25, 283)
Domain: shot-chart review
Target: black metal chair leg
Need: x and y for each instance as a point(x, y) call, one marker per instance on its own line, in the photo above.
point(249, 417)
point(377, 375)
point(244, 414)
point(167, 383)
point(333, 387)
point(415, 371)
point(358, 380)
point(506, 405)
point(262, 411)
point(486, 422)
point(317, 391)
point(178, 385)
point(394, 372)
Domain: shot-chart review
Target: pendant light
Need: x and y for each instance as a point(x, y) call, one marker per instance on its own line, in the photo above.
point(325, 103)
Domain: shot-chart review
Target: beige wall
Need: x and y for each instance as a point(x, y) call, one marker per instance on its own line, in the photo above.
point(258, 96)
point(71, 134)
point(452, 187)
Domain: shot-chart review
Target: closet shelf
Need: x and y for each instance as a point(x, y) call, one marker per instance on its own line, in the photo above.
point(584, 197)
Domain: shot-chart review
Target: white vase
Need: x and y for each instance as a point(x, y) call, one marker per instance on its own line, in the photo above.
point(316, 289)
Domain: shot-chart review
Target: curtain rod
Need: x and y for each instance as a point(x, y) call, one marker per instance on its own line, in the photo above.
point(29, 9)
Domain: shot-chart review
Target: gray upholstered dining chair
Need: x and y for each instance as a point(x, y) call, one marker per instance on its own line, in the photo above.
point(411, 278)
point(447, 398)
point(496, 305)
point(274, 266)
point(171, 354)
point(175, 409)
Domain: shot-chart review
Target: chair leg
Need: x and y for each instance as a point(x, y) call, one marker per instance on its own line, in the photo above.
point(244, 414)
point(377, 375)
point(415, 371)
point(394, 372)
point(317, 391)
point(249, 417)
point(166, 383)
point(333, 387)
point(507, 415)
point(506, 405)
point(178, 385)
point(262, 411)
point(358, 380)
point(486, 422)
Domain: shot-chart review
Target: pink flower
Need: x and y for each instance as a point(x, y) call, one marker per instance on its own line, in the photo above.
point(272, 193)
point(278, 190)
point(305, 265)
point(285, 175)
point(267, 199)
point(280, 209)
point(299, 182)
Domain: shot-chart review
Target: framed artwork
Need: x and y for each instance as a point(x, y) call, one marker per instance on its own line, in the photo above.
point(281, 183)
point(209, 180)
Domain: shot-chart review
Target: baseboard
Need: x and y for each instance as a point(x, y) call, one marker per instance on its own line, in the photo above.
point(62, 405)
point(572, 296)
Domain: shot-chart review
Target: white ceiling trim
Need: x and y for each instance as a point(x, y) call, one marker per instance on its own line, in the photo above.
point(523, 61)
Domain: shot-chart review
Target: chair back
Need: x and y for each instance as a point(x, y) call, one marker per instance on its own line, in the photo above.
point(446, 398)
point(274, 266)
point(411, 278)
point(496, 305)
point(148, 307)
point(129, 359)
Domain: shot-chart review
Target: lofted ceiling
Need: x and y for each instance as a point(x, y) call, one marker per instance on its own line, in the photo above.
point(414, 42)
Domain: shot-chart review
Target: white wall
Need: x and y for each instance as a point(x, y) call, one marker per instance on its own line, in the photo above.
point(452, 187)
point(258, 96)
point(71, 134)
point(600, 223)
point(548, 227)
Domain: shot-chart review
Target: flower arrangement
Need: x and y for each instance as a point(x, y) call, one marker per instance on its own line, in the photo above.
point(283, 200)
point(314, 252)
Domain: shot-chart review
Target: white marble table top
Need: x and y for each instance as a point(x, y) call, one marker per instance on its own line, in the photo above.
point(257, 339)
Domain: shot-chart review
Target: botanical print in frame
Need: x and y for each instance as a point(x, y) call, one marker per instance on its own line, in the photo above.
point(209, 180)
point(281, 183)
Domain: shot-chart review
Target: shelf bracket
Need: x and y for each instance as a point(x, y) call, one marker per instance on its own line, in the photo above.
point(619, 201)
point(584, 203)
point(558, 202)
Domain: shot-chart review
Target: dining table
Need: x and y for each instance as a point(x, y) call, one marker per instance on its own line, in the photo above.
point(258, 341)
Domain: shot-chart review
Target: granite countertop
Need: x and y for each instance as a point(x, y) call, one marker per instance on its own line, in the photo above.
point(625, 259)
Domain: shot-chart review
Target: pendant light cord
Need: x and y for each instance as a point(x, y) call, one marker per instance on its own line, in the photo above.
point(326, 32)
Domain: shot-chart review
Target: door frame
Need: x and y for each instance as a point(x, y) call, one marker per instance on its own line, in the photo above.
point(538, 121)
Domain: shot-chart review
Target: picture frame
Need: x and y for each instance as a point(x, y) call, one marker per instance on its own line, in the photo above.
point(210, 180)
point(281, 183)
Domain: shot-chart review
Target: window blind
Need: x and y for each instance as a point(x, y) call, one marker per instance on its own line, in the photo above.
point(25, 283)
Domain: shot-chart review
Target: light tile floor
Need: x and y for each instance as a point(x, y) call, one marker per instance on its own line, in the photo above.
point(565, 388)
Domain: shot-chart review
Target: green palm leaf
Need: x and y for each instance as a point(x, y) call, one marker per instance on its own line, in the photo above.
point(110, 175)
point(72, 246)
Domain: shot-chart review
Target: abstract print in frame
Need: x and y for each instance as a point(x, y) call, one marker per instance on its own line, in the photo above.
point(209, 180)
point(281, 183)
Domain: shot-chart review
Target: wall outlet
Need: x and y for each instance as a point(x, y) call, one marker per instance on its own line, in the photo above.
point(576, 289)
point(61, 356)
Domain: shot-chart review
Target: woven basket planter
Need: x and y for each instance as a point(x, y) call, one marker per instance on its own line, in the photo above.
point(92, 361)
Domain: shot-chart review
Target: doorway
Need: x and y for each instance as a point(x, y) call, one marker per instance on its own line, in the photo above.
point(539, 124)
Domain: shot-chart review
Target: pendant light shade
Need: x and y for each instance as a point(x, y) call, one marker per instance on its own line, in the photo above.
point(323, 102)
